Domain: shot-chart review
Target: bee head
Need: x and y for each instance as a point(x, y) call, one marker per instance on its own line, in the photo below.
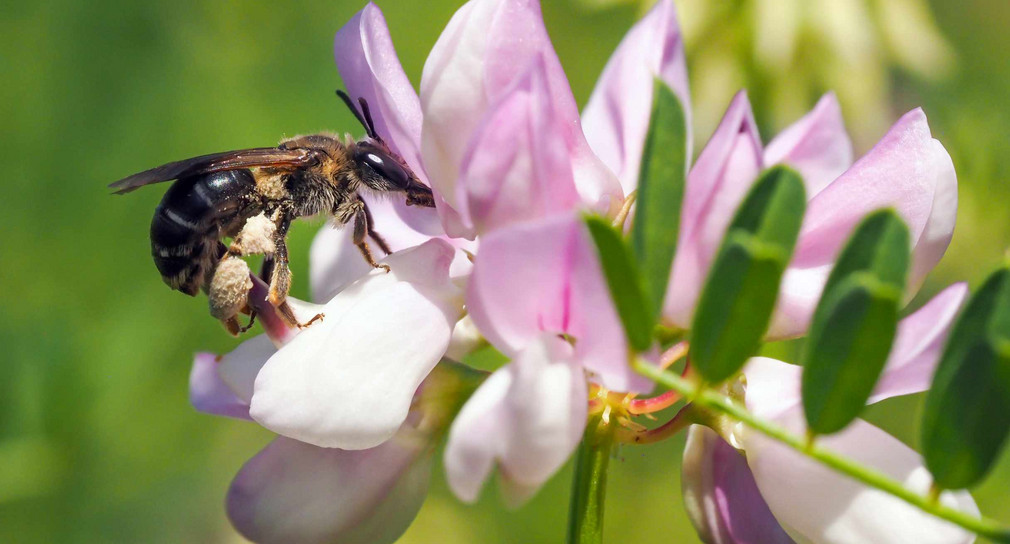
point(379, 168)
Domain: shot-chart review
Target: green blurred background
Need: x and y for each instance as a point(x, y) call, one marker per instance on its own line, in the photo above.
point(98, 442)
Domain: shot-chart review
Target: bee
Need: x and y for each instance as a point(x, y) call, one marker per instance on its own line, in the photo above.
point(252, 196)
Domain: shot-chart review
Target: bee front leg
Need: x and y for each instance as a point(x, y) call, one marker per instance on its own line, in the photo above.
point(370, 226)
point(362, 220)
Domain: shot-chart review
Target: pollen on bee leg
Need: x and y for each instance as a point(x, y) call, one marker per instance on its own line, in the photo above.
point(256, 237)
point(229, 290)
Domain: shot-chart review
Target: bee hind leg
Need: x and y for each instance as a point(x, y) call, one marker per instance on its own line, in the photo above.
point(280, 279)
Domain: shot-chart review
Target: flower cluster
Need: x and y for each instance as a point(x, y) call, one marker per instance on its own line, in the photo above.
point(361, 398)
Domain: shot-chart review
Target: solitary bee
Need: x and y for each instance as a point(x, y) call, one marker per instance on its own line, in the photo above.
point(252, 196)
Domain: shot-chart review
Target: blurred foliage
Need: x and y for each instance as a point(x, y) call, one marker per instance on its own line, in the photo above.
point(98, 442)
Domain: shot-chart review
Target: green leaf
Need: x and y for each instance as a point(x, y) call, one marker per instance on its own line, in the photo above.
point(660, 194)
point(855, 321)
point(736, 304)
point(967, 414)
point(623, 280)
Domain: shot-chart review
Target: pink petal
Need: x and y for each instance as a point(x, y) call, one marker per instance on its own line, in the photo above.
point(907, 170)
point(292, 492)
point(919, 344)
point(817, 146)
point(348, 380)
point(717, 184)
point(369, 67)
point(544, 276)
point(486, 46)
point(517, 167)
point(209, 394)
point(720, 494)
point(528, 418)
point(279, 331)
point(816, 504)
point(617, 116)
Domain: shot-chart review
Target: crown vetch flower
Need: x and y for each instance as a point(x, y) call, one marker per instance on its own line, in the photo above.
point(759, 490)
point(495, 131)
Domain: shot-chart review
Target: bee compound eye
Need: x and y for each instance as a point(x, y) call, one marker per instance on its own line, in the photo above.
point(385, 166)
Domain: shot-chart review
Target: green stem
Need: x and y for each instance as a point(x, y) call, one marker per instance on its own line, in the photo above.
point(589, 484)
point(714, 401)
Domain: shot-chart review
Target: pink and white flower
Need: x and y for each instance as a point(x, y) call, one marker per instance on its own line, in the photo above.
point(496, 133)
point(760, 490)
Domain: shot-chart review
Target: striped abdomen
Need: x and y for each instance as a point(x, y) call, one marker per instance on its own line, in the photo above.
point(188, 224)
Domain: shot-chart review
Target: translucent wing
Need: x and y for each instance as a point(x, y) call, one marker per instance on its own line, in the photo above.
point(273, 157)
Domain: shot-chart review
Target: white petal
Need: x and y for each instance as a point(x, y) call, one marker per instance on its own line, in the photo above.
point(238, 369)
point(816, 504)
point(528, 417)
point(348, 380)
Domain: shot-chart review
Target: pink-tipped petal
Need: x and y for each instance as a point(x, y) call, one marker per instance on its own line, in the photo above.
point(486, 46)
point(545, 276)
point(919, 344)
point(720, 494)
point(347, 381)
point(816, 504)
point(527, 418)
point(716, 185)
point(817, 146)
point(292, 492)
point(617, 116)
point(517, 167)
point(208, 394)
point(907, 170)
point(370, 69)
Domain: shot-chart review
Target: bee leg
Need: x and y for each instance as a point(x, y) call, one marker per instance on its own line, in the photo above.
point(252, 320)
point(370, 227)
point(267, 268)
point(280, 278)
point(360, 232)
point(229, 292)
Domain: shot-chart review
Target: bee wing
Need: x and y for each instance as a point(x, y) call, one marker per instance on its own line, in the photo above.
point(216, 162)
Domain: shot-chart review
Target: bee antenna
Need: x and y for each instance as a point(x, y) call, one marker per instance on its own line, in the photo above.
point(369, 127)
point(368, 117)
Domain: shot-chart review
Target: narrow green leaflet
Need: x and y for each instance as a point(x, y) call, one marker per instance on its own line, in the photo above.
point(855, 321)
point(737, 301)
point(967, 414)
point(623, 280)
point(660, 194)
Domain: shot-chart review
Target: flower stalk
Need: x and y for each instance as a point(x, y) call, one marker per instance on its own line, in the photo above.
point(589, 483)
point(711, 400)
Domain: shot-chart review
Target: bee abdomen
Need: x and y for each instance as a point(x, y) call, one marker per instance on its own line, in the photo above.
point(187, 225)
